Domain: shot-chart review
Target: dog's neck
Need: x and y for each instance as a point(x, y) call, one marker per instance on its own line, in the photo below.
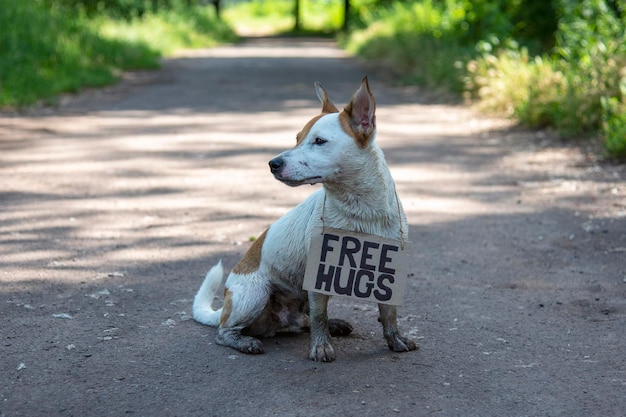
point(366, 198)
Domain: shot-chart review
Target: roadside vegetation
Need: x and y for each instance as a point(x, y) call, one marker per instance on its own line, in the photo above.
point(545, 63)
point(52, 46)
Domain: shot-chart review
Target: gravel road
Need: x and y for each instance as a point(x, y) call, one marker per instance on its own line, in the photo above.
point(115, 203)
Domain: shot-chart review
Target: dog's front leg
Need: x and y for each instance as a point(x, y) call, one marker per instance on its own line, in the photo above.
point(321, 350)
point(395, 341)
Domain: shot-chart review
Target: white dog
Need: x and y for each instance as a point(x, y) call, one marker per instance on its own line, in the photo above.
point(263, 293)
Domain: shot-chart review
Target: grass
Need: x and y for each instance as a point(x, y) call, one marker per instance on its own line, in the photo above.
point(437, 65)
point(413, 44)
point(170, 30)
point(276, 17)
point(47, 50)
point(259, 17)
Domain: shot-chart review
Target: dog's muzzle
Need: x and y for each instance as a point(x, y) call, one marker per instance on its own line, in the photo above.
point(276, 165)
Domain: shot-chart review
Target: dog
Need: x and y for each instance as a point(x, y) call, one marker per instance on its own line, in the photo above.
point(263, 293)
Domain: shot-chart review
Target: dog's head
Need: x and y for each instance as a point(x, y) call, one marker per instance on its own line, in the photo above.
point(331, 143)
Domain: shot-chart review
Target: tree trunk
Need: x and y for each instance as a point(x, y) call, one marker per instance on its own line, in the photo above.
point(346, 15)
point(296, 12)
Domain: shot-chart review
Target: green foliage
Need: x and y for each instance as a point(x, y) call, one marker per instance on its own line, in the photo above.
point(513, 83)
point(415, 42)
point(614, 127)
point(45, 52)
point(126, 9)
point(590, 42)
point(168, 30)
point(268, 17)
point(260, 16)
point(558, 63)
point(322, 15)
point(46, 48)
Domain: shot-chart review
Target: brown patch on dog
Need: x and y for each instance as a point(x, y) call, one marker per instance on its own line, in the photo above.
point(227, 308)
point(327, 108)
point(307, 127)
point(346, 124)
point(252, 259)
point(358, 118)
point(327, 105)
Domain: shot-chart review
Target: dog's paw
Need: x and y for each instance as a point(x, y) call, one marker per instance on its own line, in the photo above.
point(235, 340)
point(251, 345)
point(399, 343)
point(322, 353)
point(339, 328)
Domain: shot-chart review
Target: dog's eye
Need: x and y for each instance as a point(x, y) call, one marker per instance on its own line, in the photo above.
point(319, 141)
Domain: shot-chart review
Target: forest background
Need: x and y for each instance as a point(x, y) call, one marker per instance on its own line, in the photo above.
point(557, 64)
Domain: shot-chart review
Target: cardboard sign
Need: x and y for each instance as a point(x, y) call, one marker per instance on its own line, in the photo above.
point(356, 265)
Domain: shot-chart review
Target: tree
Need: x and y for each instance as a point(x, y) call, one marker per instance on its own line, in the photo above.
point(346, 15)
point(296, 12)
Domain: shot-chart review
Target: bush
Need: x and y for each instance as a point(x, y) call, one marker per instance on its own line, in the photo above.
point(516, 85)
point(562, 67)
point(415, 43)
point(590, 42)
point(614, 127)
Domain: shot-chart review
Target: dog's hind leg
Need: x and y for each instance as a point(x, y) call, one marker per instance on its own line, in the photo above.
point(243, 308)
point(321, 349)
point(232, 337)
point(395, 341)
point(339, 328)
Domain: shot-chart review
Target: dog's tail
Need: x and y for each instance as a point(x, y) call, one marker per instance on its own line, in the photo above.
point(203, 311)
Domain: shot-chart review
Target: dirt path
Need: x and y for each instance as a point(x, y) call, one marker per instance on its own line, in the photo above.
point(114, 206)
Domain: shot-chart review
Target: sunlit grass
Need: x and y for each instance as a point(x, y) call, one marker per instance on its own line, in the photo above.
point(169, 30)
point(47, 50)
point(273, 17)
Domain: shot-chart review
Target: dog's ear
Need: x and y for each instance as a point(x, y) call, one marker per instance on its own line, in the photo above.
point(327, 105)
point(361, 113)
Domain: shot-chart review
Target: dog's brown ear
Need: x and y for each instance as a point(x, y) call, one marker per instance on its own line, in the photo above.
point(361, 112)
point(327, 105)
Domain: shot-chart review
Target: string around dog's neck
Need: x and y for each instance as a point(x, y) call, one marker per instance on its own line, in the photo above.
point(399, 215)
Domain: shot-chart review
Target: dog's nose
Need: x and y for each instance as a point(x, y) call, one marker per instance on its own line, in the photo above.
point(276, 164)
